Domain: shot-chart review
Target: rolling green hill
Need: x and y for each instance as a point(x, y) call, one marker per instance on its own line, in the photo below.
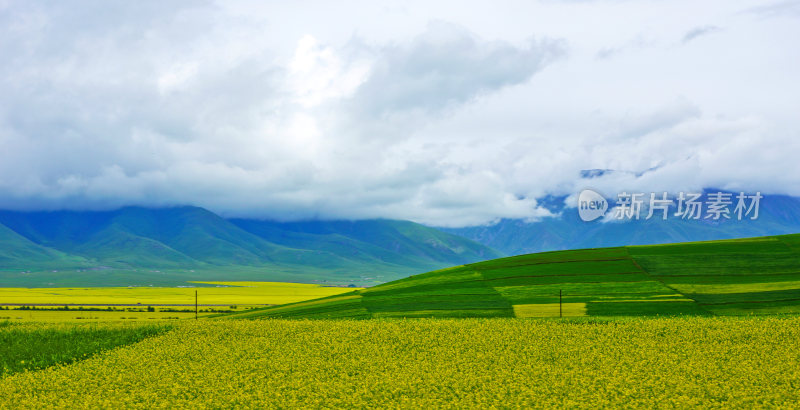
point(19, 251)
point(743, 276)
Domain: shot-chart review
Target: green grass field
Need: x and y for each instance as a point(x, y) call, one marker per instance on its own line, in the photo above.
point(732, 277)
point(36, 346)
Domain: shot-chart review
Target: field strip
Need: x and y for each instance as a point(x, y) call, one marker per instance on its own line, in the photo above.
point(255, 293)
point(736, 287)
point(515, 265)
point(734, 302)
point(486, 280)
point(549, 309)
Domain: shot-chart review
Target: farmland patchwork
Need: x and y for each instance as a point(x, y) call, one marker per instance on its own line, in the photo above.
point(743, 276)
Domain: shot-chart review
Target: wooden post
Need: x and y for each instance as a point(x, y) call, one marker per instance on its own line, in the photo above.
point(195, 304)
point(559, 303)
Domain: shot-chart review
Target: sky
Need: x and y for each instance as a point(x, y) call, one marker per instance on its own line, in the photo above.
point(447, 113)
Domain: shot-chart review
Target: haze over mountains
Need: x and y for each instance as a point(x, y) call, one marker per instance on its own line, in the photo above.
point(779, 214)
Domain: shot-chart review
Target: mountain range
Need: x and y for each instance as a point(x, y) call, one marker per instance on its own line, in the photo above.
point(170, 246)
point(135, 245)
point(778, 215)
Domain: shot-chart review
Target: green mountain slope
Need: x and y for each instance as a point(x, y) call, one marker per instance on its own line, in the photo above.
point(18, 252)
point(116, 246)
point(197, 233)
point(757, 275)
point(172, 243)
point(378, 241)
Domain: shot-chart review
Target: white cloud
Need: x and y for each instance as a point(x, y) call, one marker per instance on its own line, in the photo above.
point(698, 32)
point(447, 114)
point(318, 73)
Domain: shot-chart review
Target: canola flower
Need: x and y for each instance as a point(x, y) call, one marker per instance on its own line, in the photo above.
point(438, 363)
point(238, 293)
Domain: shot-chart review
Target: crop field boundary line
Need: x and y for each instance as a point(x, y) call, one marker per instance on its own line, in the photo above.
point(788, 245)
point(689, 275)
point(585, 282)
point(547, 263)
point(586, 295)
point(406, 296)
point(636, 263)
point(748, 301)
point(448, 309)
point(485, 280)
point(553, 276)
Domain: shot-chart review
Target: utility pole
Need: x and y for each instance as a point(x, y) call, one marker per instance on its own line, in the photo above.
point(195, 304)
point(559, 303)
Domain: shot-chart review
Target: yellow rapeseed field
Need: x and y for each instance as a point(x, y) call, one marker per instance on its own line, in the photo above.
point(230, 293)
point(440, 363)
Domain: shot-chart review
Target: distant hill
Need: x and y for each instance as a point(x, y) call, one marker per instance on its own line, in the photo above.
point(384, 241)
point(189, 239)
point(732, 277)
point(778, 215)
point(16, 250)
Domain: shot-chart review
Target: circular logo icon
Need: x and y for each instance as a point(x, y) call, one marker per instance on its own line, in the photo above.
point(591, 205)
